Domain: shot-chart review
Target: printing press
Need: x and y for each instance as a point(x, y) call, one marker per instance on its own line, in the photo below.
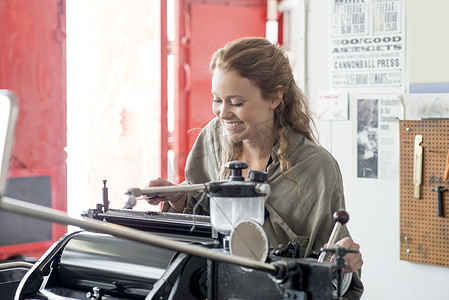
point(180, 256)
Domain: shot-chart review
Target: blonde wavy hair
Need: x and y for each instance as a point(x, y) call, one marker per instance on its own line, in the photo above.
point(268, 67)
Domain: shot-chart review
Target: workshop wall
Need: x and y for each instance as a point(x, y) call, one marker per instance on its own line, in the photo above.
point(428, 46)
point(374, 206)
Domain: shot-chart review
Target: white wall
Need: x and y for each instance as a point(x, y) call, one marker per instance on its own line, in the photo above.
point(113, 100)
point(428, 45)
point(373, 207)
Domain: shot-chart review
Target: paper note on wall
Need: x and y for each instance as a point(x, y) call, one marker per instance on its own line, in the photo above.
point(426, 106)
point(332, 106)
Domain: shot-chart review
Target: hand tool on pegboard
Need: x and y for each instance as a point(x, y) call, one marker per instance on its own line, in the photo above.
point(446, 171)
point(417, 165)
point(439, 190)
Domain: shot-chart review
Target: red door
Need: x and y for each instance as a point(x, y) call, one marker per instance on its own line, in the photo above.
point(32, 64)
point(203, 27)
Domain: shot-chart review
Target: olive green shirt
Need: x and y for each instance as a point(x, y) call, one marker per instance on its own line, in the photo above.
point(303, 214)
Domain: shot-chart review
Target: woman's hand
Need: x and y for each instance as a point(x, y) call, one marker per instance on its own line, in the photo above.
point(353, 260)
point(177, 201)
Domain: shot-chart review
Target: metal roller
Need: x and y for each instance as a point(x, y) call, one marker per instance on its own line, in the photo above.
point(112, 264)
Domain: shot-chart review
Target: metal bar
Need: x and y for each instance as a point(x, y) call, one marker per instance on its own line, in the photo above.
point(331, 242)
point(49, 214)
point(183, 188)
point(16, 264)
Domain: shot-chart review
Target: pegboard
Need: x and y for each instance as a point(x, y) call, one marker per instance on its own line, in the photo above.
point(424, 235)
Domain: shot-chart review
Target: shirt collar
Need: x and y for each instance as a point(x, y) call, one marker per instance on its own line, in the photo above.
point(296, 140)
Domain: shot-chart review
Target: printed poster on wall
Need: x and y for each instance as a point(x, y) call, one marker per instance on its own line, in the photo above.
point(377, 126)
point(368, 45)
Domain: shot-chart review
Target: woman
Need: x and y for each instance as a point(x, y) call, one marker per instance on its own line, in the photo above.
point(263, 119)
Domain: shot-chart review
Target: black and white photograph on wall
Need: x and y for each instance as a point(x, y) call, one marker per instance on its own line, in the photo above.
point(367, 138)
point(375, 132)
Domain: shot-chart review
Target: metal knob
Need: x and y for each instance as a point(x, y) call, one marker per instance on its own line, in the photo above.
point(257, 176)
point(236, 169)
point(341, 216)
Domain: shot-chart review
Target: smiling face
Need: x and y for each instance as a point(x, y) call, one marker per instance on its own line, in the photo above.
point(242, 110)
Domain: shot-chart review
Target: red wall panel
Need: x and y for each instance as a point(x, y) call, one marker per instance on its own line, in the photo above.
point(32, 64)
